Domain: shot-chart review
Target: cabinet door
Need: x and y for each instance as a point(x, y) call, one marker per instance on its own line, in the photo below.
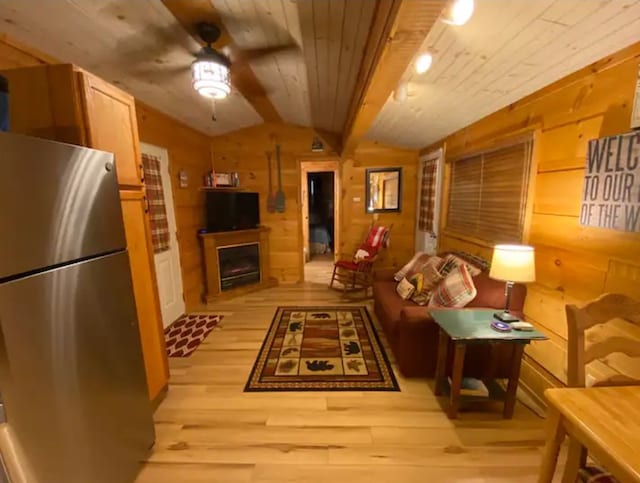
point(112, 126)
point(145, 290)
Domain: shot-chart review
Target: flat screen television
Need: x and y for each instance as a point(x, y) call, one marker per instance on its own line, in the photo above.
point(232, 210)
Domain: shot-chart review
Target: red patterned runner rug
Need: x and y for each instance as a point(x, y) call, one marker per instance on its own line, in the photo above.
point(322, 349)
point(188, 332)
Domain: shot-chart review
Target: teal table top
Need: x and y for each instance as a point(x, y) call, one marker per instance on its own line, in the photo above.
point(475, 324)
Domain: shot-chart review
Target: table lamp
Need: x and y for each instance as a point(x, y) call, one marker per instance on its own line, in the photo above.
point(512, 264)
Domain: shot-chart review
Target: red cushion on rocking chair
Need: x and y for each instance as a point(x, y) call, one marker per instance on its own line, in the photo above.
point(348, 264)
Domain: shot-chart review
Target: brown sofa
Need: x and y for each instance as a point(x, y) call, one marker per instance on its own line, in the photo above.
point(413, 334)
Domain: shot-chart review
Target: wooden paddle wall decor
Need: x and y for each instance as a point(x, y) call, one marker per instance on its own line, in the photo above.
point(280, 199)
point(271, 200)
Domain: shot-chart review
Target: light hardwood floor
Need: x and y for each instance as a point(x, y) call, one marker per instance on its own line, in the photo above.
point(209, 430)
point(319, 269)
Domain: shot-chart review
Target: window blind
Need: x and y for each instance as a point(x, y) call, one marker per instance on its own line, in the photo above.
point(488, 194)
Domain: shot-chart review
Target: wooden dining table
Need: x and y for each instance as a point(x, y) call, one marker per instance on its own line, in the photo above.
point(605, 420)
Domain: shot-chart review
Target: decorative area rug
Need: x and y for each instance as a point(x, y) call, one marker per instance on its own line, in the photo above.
point(188, 332)
point(322, 349)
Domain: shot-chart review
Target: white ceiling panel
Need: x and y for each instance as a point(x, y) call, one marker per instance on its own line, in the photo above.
point(509, 49)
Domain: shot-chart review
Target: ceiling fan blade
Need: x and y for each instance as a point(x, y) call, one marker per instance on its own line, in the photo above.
point(249, 55)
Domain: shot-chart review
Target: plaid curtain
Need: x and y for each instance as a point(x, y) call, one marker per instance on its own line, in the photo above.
point(428, 196)
point(157, 210)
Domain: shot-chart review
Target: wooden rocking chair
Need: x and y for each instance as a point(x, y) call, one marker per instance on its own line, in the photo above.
point(357, 273)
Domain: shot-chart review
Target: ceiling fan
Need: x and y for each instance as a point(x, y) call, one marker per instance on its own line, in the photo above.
point(211, 71)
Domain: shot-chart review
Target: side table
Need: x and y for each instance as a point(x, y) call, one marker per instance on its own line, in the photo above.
point(473, 326)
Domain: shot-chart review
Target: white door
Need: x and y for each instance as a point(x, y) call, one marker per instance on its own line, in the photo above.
point(428, 241)
point(168, 262)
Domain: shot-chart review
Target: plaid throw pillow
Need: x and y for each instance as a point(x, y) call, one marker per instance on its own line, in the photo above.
point(456, 261)
point(405, 289)
point(418, 259)
point(456, 290)
point(431, 277)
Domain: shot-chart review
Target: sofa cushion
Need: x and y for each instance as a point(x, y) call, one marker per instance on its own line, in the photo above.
point(456, 290)
point(389, 303)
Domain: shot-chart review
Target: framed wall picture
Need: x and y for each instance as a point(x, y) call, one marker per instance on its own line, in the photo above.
point(383, 190)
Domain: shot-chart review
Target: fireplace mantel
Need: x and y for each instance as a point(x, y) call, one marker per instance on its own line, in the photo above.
point(212, 243)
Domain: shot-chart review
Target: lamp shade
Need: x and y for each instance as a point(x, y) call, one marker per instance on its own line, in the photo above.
point(513, 263)
point(211, 78)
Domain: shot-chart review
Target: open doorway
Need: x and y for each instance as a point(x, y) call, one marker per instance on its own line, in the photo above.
point(320, 188)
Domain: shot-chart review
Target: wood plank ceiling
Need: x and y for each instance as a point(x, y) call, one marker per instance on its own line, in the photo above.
point(139, 46)
point(507, 50)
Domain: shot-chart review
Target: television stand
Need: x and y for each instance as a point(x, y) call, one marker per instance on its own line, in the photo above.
point(235, 263)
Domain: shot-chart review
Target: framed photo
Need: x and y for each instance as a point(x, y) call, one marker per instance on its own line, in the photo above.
point(222, 179)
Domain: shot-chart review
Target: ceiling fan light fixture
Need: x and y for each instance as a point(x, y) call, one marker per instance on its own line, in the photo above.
point(458, 12)
point(211, 78)
point(423, 63)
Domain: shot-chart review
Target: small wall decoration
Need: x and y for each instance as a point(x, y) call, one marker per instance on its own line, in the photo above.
point(611, 190)
point(183, 179)
point(635, 113)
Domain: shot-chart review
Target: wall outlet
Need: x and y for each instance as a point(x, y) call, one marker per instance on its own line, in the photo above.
point(356, 199)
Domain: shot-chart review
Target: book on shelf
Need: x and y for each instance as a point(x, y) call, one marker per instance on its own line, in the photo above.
point(473, 387)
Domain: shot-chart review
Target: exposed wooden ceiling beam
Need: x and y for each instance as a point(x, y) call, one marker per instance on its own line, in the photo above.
point(189, 13)
point(397, 34)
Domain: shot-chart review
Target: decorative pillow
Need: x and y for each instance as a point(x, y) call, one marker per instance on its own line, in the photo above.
point(456, 290)
point(430, 279)
point(417, 281)
point(413, 266)
point(405, 289)
point(456, 261)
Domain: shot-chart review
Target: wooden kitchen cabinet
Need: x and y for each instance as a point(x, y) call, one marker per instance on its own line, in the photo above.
point(64, 103)
point(112, 126)
point(137, 231)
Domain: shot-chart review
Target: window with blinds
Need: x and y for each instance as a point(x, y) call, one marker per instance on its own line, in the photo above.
point(488, 194)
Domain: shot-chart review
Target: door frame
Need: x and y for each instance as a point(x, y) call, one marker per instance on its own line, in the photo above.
point(163, 155)
point(324, 165)
point(438, 156)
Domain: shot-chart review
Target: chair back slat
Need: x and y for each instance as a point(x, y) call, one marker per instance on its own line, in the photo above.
point(581, 350)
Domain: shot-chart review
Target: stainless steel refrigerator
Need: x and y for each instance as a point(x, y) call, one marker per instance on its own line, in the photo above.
point(72, 378)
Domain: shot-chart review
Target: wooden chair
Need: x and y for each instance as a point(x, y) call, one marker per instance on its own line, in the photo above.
point(581, 352)
point(357, 273)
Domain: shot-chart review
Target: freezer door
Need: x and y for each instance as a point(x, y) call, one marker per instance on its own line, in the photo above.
point(58, 203)
point(71, 373)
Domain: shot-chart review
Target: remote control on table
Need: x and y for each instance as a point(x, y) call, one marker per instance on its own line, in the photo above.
point(525, 326)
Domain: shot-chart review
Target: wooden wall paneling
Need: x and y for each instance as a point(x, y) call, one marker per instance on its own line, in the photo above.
point(16, 54)
point(244, 151)
point(573, 263)
point(189, 150)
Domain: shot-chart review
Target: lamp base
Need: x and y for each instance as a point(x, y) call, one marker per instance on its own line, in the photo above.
point(505, 317)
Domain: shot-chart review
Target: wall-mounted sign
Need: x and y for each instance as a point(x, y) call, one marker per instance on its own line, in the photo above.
point(611, 190)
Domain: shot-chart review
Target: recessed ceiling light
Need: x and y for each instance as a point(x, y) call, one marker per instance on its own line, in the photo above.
point(423, 63)
point(459, 12)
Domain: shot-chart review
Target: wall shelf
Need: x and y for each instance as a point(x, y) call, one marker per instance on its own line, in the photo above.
point(222, 188)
